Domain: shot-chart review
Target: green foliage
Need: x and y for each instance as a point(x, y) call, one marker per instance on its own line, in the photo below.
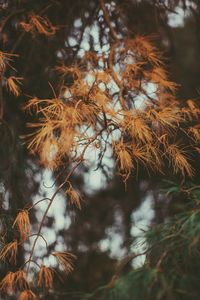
point(172, 266)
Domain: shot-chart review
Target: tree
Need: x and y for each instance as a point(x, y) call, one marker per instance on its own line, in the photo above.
point(117, 100)
point(171, 265)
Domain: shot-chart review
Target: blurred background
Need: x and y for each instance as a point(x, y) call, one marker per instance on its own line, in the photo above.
point(113, 217)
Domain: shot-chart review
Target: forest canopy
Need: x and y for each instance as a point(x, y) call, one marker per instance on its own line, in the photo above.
point(100, 145)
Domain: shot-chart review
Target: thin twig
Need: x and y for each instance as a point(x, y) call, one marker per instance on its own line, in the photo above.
point(114, 75)
point(107, 20)
point(38, 234)
point(123, 263)
point(41, 200)
point(34, 234)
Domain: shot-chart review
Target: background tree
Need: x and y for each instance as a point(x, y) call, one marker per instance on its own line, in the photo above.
point(56, 34)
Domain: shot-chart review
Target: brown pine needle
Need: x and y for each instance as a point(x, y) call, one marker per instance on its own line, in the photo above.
point(14, 281)
point(179, 159)
point(2, 61)
point(123, 157)
point(45, 277)
point(9, 252)
point(166, 116)
point(137, 128)
point(195, 131)
point(27, 295)
point(43, 25)
point(48, 153)
point(20, 281)
point(13, 85)
point(74, 197)
point(26, 26)
point(5, 58)
point(144, 46)
point(6, 284)
point(22, 223)
point(141, 155)
point(65, 259)
point(38, 24)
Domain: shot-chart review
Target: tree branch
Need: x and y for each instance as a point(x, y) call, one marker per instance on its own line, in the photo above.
point(107, 20)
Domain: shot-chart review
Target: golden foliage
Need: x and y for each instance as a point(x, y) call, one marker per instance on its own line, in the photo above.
point(13, 85)
point(20, 281)
point(72, 70)
point(143, 45)
point(48, 153)
point(103, 77)
point(192, 111)
point(104, 100)
point(9, 252)
point(91, 57)
point(5, 58)
point(195, 132)
point(65, 259)
point(27, 295)
point(166, 116)
point(179, 159)
point(140, 154)
point(45, 277)
point(156, 157)
point(159, 76)
point(97, 106)
point(22, 223)
point(124, 158)
point(38, 24)
point(136, 126)
point(6, 284)
point(74, 197)
point(14, 281)
point(2, 61)
point(147, 155)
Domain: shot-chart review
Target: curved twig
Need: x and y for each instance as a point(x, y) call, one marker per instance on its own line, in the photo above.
point(36, 203)
point(40, 235)
point(31, 261)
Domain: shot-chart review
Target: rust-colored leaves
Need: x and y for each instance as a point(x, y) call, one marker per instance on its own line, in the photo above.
point(65, 260)
point(27, 295)
point(14, 281)
point(9, 252)
point(13, 84)
point(45, 277)
point(38, 24)
point(22, 223)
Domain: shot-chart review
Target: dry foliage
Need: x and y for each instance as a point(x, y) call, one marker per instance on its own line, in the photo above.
point(45, 277)
point(22, 223)
point(65, 259)
point(122, 101)
point(13, 282)
point(6, 285)
point(101, 103)
point(27, 295)
point(9, 252)
point(100, 110)
point(5, 59)
point(13, 84)
point(38, 24)
point(74, 197)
